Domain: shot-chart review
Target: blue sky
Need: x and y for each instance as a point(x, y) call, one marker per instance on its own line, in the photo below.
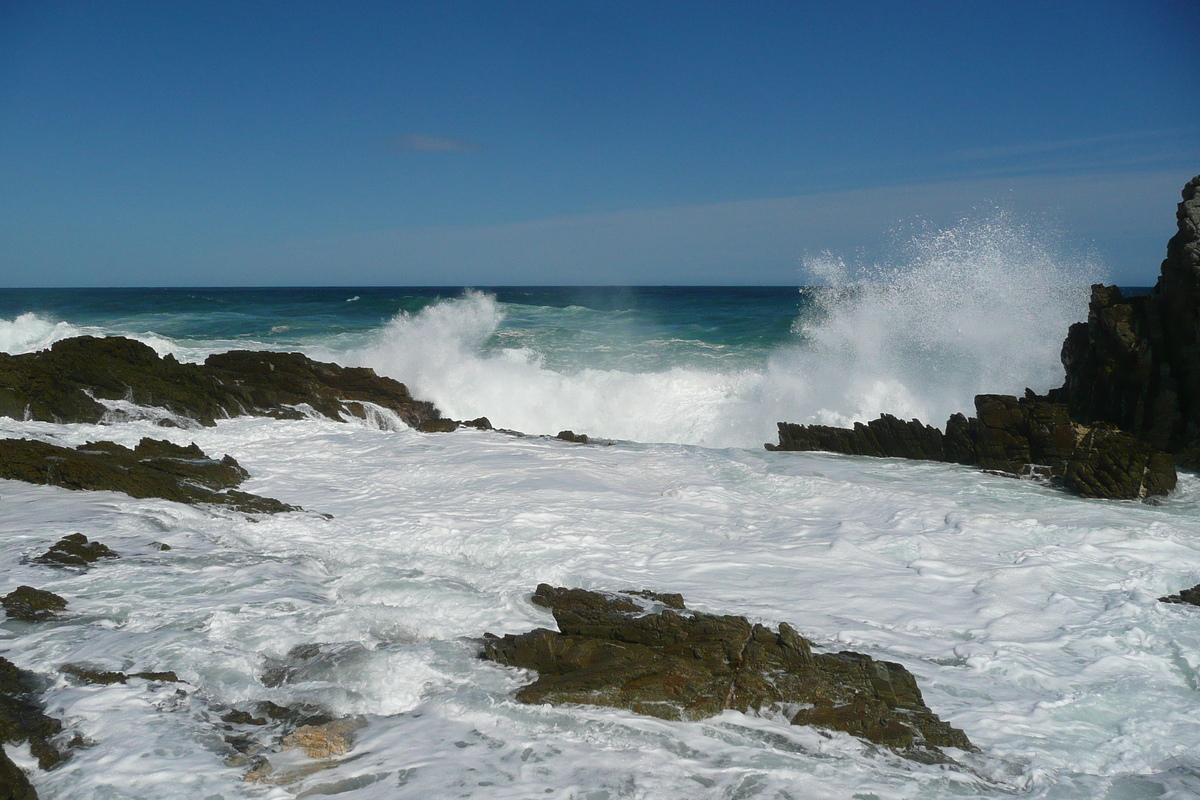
point(485, 143)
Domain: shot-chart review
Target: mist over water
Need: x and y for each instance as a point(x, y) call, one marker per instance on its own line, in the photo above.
point(982, 307)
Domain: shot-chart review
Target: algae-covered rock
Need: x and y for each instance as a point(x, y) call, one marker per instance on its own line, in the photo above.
point(152, 469)
point(32, 605)
point(647, 653)
point(22, 718)
point(92, 676)
point(14, 785)
point(75, 378)
point(74, 550)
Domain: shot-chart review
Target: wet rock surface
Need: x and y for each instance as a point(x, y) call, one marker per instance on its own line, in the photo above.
point(68, 382)
point(1185, 597)
point(22, 718)
point(32, 605)
point(14, 785)
point(91, 676)
point(75, 550)
point(1030, 436)
point(154, 468)
point(1135, 363)
point(647, 653)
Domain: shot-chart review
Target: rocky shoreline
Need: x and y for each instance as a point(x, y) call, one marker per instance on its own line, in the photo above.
point(1128, 410)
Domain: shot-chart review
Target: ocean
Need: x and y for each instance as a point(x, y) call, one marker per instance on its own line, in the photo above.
point(1029, 617)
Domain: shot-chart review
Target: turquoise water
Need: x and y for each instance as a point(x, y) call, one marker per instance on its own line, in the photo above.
point(631, 327)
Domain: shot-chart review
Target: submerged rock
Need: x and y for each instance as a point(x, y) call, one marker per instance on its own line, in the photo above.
point(91, 676)
point(73, 380)
point(22, 718)
point(32, 605)
point(74, 550)
point(1030, 436)
point(1135, 363)
point(647, 653)
point(152, 469)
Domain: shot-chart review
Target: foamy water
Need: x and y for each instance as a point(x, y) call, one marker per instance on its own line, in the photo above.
point(1028, 617)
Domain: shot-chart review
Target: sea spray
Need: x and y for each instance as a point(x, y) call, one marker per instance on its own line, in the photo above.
point(30, 332)
point(981, 307)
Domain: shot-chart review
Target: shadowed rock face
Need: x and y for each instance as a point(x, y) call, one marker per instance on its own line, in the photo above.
point(21, 717)
point(647, 653)
point(1136, 362)
point(152, 469)
point(13, 783)
point(66, 383)
point(1029, 436)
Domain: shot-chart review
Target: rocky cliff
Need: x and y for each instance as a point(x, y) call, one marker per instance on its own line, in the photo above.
point(1136, 361)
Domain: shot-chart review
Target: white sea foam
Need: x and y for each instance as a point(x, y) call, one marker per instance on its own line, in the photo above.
point(1028, 617)
point(979, 308)
point(30, 332)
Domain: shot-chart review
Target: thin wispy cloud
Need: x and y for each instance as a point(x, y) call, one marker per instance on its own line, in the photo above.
point(1060, 145)
point(434, 144)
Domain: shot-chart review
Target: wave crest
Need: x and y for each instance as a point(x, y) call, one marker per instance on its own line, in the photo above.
point(981, 307)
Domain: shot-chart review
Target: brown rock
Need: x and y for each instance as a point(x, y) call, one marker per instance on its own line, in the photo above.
point(613, 650)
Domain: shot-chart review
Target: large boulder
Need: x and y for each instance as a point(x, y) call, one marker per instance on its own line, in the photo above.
point(1135, 363)
point(68, 382)
point(646, 652)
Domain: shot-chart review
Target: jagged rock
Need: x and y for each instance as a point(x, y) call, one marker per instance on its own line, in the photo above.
point(14, 785)
point(886, 436)
point(74, 550)
point(1185, 597)
point(1028, 436)
point(152, 469)
point(630, 650)
point(1135, 363)
point(21, 715)
point(32, 605)
point(572, 436)
point(67, 382)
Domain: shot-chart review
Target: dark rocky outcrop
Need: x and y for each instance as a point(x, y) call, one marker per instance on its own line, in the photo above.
point(646, 652)
point(1028, 436)
point(67, 382)
point(572, 436)
point(1135, 363)
point(32, 605)
point(1128, 411)
point(152, 469)
point(74, 550)
point(21, 715)
point(14, 785)
point(1185, 597)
